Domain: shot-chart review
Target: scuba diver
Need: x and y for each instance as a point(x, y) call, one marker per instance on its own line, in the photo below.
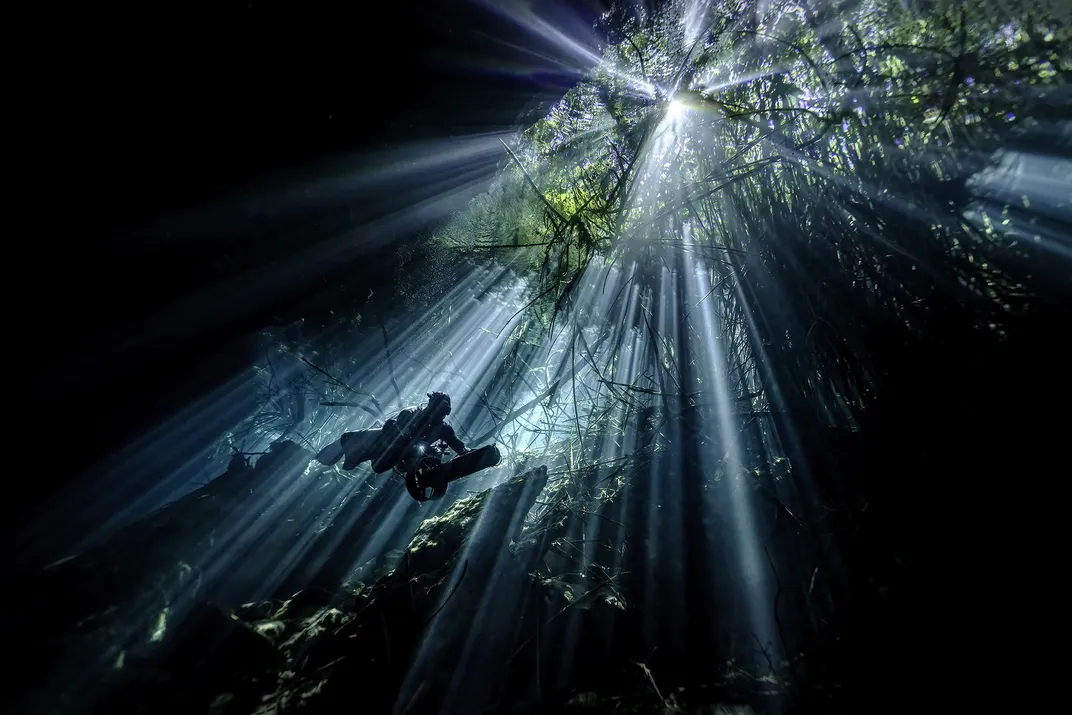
point(386, 446)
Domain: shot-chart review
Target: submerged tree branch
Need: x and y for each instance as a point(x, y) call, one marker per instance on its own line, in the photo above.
point(340, 383)
point(532, 183)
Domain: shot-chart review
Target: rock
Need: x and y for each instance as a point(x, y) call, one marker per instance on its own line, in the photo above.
point(376, 568)
point(272, 630)
point(257, 611)
point(304, 603)
point(211, 643)
point(318, 648)
point(438, 539)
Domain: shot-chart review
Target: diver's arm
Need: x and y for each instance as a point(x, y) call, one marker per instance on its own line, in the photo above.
point(446, 433)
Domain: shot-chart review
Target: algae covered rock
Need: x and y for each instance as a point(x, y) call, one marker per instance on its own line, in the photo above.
point(439, 537)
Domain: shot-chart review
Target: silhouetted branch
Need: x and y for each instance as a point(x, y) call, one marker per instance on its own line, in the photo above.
point(532, 183)
point(519, 411)
point(340, 383)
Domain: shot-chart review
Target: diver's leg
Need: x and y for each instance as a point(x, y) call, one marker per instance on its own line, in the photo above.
point(388, 449)
point(358, 447)
point(331, 454)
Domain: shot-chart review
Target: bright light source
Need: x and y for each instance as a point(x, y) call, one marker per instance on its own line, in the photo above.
point(675, 110)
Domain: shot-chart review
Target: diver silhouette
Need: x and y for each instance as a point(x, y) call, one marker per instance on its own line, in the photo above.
point(385, 446)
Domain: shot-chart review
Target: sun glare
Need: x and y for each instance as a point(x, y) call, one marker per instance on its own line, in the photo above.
point(675, 110)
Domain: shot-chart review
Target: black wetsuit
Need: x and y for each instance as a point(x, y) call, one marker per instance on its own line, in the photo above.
point(385, 446)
